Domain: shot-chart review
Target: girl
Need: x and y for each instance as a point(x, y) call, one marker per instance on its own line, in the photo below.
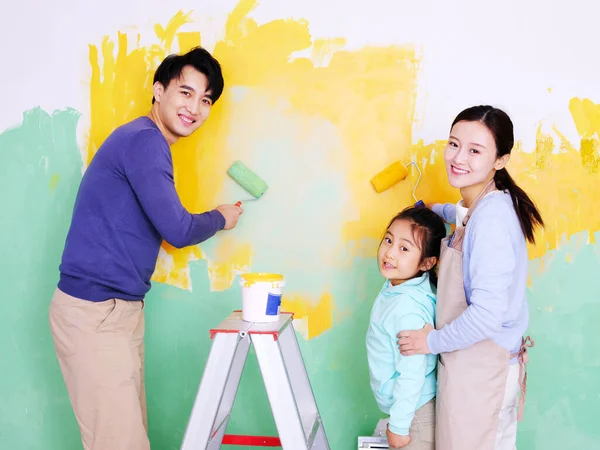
point(482, 310)
point(404, 387)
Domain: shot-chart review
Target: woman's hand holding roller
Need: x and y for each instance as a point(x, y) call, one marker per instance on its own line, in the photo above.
point(414, 342)
point(231, 213)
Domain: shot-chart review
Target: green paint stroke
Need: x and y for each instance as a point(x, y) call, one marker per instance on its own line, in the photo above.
point(40, 173)
point(563, 396)
point(178, 342)
point(34, 407)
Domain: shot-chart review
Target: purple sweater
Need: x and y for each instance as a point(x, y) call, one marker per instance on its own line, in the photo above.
point(126, 205)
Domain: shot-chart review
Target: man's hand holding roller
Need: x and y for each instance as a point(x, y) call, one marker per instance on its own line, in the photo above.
point(231, 213)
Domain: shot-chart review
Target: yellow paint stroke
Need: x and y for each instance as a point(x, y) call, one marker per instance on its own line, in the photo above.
point(250, 279)
point(563, 180)
point(560, 178)
point(367, 95)
point(322, 49)
point(121, 89)
point(231, 258)
point(316, 317)
point(172, 266)
point(54, 181)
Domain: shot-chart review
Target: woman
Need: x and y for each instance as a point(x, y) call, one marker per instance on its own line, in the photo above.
point(482, 310)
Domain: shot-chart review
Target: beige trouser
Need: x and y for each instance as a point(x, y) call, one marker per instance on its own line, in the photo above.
point(100, 349)
point(422, 429)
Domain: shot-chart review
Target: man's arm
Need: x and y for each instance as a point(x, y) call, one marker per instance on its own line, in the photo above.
point(148, 167)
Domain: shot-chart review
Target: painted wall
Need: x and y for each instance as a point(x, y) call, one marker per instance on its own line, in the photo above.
point(320, 96)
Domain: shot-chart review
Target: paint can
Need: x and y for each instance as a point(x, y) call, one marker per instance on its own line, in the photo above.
point(261, 296)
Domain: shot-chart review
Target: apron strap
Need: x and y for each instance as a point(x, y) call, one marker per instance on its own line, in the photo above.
point(523, 360)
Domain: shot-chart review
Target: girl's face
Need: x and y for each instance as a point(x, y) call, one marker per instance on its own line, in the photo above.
point(470, 156)
point(399, 256)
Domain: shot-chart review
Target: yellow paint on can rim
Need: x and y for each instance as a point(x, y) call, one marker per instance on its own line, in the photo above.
point(260, 277)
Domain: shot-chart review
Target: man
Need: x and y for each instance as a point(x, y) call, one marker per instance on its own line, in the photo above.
point(126, 205)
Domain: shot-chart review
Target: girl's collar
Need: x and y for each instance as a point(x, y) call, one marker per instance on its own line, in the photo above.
point(412, 282)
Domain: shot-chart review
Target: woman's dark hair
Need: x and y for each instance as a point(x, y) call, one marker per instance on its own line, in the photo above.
point(501, 127)
point(201, 60)
point(428, 230)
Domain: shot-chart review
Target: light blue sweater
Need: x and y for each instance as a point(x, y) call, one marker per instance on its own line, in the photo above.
point(401, 384)
point(495, 278)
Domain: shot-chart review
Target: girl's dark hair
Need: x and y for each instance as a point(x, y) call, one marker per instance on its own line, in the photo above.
point(501, 127)
point(428, 231)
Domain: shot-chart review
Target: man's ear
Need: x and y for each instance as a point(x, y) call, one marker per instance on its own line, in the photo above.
point(158, 90)
point(428, 263)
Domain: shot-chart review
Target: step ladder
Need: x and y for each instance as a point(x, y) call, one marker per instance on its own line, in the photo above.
point(288, 388)
point(373, 442)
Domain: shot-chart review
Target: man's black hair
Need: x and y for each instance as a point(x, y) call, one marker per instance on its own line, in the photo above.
point(199, 59)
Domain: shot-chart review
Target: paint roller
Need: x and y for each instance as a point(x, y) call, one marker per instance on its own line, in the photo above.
point(393, 174)
point(247, 179)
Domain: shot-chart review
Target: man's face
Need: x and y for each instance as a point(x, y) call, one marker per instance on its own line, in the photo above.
point(183, 105)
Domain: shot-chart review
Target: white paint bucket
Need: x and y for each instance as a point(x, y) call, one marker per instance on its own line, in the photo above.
point(261, 296)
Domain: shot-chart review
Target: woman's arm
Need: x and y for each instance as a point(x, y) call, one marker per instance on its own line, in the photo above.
point(446, 211)
point(491, 268)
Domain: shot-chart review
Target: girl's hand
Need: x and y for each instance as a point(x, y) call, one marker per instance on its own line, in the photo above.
point(396, 440)
point(414, 342)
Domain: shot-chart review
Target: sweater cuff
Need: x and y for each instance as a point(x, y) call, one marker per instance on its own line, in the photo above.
point(438, 208)
point(433, 342)
point(401, 431)
point(218, 218)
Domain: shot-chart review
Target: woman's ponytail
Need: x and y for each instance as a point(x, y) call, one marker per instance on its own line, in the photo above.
point(529, 215)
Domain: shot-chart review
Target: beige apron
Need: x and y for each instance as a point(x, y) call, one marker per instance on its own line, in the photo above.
point(471, 382)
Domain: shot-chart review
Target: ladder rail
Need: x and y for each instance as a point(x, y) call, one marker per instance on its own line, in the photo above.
point(231, 387)
point(279, 391)
point(307, 405)
point(284, 374)
point(227, 354)
point(297, 372)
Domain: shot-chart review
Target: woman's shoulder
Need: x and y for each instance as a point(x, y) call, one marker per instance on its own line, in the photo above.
point(496, 211)
point(495, 206)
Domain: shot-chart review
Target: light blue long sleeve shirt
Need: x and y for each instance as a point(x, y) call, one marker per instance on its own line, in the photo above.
point(401, 384)
point(495, 278)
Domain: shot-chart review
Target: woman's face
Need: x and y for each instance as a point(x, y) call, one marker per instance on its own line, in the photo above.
point(470, 155)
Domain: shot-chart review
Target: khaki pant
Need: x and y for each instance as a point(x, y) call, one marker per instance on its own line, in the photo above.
point(100, 349)
point(422, 429)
